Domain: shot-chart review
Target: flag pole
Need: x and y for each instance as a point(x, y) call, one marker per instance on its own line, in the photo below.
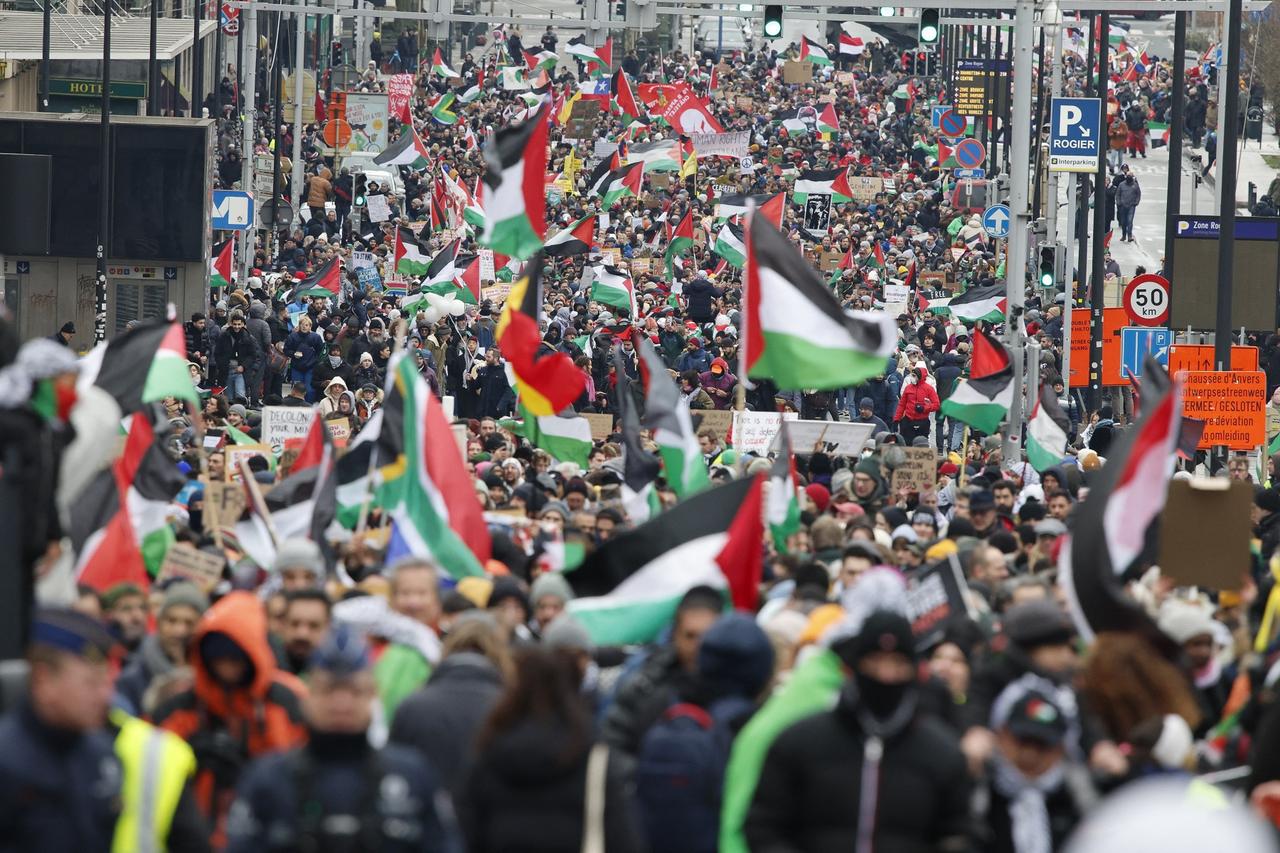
point(257, 499)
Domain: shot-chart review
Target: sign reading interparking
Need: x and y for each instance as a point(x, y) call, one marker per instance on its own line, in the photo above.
point(1075, 134)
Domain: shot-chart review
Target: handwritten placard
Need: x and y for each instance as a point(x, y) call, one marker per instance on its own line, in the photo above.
point(281, 423)
point(601, 425)
point(918, 472)
point(184, 561)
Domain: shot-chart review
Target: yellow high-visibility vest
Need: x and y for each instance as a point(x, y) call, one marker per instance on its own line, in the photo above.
point(157, 765)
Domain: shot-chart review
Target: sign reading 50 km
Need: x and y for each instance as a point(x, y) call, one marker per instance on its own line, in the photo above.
point(1146, 300)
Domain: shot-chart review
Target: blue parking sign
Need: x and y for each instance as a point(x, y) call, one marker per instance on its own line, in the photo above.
point(1075, 134)
point(1137, 341)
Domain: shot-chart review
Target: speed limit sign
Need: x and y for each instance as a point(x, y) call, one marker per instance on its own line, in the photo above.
point(1146, 300)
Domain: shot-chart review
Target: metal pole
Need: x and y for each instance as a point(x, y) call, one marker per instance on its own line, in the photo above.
point(1015, 264)
point(197, 61)
point(104, 184)
point(1096, 289)
point(1221, 129)
point(1173, 197)
point(44, 55)
point(219, 65)
point(1039, 160)
point(153, 64)
point(239, 87)
point(248, 114)
point(295, 183)
point(1227, 187)
point(276, 121)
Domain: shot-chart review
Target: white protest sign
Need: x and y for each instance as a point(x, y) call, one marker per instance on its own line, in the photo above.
point(837, 438)
point(734, 144)
point(753, 432)
point(281, 423)
point(486, 265)
point(896, 293)
point(378, 208)
point(360, 260)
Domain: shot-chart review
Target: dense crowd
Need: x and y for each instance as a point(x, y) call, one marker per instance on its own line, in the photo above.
point(347, 692)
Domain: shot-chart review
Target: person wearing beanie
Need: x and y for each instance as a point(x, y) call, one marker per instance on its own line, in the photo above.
point(299, 565)
point(819, 496)
point(867, 415)
point(1192, 627)
point(549, 595)
point(338, 786)
point(869, 489)
point(160, 653)
point(812, 793)
point(509, 603)
point(125, 608)
point(238, 688)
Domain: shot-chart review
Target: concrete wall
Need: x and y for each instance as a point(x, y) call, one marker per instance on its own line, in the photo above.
point(43, 293)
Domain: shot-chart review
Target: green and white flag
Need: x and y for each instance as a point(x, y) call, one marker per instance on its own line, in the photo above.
point(662, 155)
point(565, 437)
point(667, 415)
point(614, 288)
point(1047, 432)
point(515, 195)
point(983, 400)
point(783, 509)
point(731, 246)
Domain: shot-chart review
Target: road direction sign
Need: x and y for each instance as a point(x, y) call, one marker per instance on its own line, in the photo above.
point(1146, 300)
point(952, 124)
point(1075, 134)
point(232, 210)
point(996, 220)
point(970, 153)
point(936, 113)
point(968, 174)
point(1137, 341)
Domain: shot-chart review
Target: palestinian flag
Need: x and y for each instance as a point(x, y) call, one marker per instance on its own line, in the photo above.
point(355, 470)
point(548, 382)
point(467, 281)
point(851, 45)
point(667, 415)
point(791, 120)
point(731, 245)
point(1047, 431)
point(813, 52)
point(833, 182)
point(222, 264)
point(574, 240)
point(986, 303)
point(144, 365)
point(544, 60)
point(443, 268)
point(472, 212)
point(515, 199)
point(828, 122)
point(983, 400)
point(1108, 540)
point(442, 109)
point(625, 98)
point(424, 485)
point(604, 59)
point(770, 206)
point(1158, 134)
point(566, 437)
point(599, 176)
point(947, 157)
point(118, 524)
point(627, 590)
point(439, 68)
point(622, 182)
point(326, 281)
point(578, 47)
point(640, 468)
point(794, 330)
point(408, 150)
point(411, 257)
point(662, 155)
point(679, 241)
point(613, 287)
point(783, 509)
point(468, 92)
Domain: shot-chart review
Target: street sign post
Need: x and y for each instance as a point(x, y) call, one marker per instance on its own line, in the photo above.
point(1146, 300)
point(970, 153)
point(1137, 341)
point(968, 174)
point(952, 124)
point(996, 220)
point(232, 210)
point(1075, 134)
point(935, 114)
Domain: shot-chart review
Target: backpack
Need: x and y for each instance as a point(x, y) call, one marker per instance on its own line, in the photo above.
point(680, 773)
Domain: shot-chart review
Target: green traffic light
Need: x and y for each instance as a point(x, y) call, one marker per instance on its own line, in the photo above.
point(928, 34)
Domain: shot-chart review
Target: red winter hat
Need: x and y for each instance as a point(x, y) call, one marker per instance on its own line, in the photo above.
point(819, 494)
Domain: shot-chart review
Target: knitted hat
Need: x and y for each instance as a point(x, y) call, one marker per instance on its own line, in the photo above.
point(507, 587)
point(819, 495)
point(299, 554)
point(553, 584)
point(565, 632)
point(184, 594)
point(1183, 621)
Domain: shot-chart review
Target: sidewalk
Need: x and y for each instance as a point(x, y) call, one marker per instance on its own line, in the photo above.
point(1252, 166)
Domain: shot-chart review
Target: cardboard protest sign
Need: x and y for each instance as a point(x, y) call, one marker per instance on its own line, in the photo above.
point(243, 451)
point(918, 472)
point(224, 503)
point(280, 423)
point(1186, 554)
point(794, 71)
point(601, 425)
point(720, 420)
point(184, 561)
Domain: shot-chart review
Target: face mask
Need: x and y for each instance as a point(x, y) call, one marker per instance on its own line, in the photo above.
point(879, 698)
point(335, 360)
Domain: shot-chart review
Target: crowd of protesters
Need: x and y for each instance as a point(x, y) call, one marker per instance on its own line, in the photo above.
point(341, 700)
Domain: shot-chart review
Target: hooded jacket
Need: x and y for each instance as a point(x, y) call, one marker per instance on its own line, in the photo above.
point(726, 381)
point(228, 726)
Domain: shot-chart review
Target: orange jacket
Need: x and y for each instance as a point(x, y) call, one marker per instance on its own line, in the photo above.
point(261, 717)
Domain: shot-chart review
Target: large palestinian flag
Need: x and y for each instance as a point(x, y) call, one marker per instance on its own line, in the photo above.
point(662, 155)
point(411, 257)
point(667, 415)
point(118, 524)
point(985, 303)
point(574, 240)
point(326, 281)
point(566, 437)
point(769, 206)
point(408, 150)
point(548, 382)
point(783, 509)
point(614, 288)
point(794, 330)
point(640, 468)
point(832, 182)
point(222, 264)
point(731, 245)
point(440, 67)
point(515, 199)
point(625, 98)
point(983, 400)
point(679, 241)
point(620, 183)
point(354, 472)
point(627, 590)
point(144, 365)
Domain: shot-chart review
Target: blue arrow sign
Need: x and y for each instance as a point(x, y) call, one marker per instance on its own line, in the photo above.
point(1137, 341)
point(995, 221)
point(1076, 134)
point(936, 113)
point(232, 210)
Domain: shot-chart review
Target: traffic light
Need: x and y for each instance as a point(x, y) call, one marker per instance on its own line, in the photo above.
point(335, 53)
point(888, 11)
point(930, 27)
point(1048, 267)
point(772, 22)
point(358, 198)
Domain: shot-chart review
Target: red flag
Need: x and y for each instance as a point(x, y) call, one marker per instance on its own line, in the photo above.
point(772, 209)
point(312, 451)
point(741, 560)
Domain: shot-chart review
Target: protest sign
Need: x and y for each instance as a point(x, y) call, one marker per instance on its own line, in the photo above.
point(399, 94)
point(245, 451)
point(720, 420)
point(360, 260)
point(736, 144)
point(935, 595)
point(339, 430)
point(753, 432)
point(601, 425)
point(835, 438)
point(794, 71)
point(224, 503)
point(369, 279)
point(378, 208)
point(896, 293)
point(367, 117)
point(280, 423)
point(487, 272)
point(865, 189)
point(1188, 556)
point(184, 561)
point(918, 472)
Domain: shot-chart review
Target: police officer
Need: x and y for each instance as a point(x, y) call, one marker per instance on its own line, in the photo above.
point(60, 780)
point(338, 793)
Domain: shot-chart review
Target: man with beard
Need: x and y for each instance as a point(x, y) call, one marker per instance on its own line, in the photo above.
point(370, 342)
point(306, 621)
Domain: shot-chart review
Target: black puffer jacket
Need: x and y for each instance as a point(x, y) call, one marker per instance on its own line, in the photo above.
point(441, 719)
point(809, 791)
point(526, 794)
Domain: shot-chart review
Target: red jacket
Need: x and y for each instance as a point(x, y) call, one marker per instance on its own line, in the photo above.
point(917, 392)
